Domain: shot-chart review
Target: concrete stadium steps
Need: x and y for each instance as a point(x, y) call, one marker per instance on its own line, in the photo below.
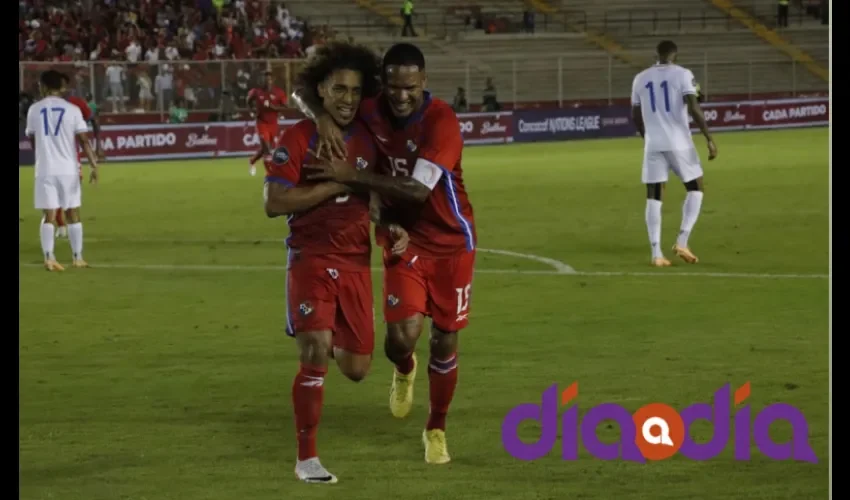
point(766, 11)
point(531, 68)
point(617, 16)
point(523, 45)
point(814, 39)
point(731, 61)
point(344, 16)
point(380, 43)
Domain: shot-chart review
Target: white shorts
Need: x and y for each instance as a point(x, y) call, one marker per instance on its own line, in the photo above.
point(58, 191)
point(684, 163)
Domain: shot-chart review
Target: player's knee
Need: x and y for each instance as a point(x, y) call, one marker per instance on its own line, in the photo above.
point(49, 216)
point(355, 372)
point(354, 367)
point(654, 191)
point(72, 215)
point(400, 342)
point(315, 347)
point(443, 343)
point(694, 185)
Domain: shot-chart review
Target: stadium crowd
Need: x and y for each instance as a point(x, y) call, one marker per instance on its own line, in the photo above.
point(135, 42)
point(157, 30)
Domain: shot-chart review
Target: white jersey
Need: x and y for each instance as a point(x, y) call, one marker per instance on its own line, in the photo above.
point(54, 124)
point(660, 92)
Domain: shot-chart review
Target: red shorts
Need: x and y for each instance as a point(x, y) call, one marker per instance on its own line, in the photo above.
point(267, 132)
point(438, 287)
point(328, 299)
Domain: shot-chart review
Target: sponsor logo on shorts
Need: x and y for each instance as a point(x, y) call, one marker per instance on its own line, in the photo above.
point(361, 163)
point(392, 301)
point(333, 273)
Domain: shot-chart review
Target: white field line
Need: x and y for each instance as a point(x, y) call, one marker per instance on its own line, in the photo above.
point(558, 267)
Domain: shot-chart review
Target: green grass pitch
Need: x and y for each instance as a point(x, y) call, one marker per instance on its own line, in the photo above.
point(164, 373)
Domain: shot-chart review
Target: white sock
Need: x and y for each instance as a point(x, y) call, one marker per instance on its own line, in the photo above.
point(75, 236)
point(653, 226)
point(690, 214)
point(47, 240)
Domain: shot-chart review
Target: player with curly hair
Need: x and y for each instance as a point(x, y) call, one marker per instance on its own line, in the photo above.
point(329, 281)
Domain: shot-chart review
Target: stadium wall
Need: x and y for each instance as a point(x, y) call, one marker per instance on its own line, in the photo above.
point(210, 140)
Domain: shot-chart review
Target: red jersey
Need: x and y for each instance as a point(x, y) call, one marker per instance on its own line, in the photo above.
point(83, 105)
point(430, 145)
point(265, 99)
point(337, 231)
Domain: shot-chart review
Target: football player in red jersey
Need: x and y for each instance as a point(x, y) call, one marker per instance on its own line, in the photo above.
point(423, 182)
point(89, 117)
point(329, 281)
point(268, 102)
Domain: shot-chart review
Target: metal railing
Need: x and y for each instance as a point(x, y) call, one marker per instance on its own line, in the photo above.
point(212, 85)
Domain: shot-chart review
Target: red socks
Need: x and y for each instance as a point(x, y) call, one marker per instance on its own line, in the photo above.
point(442, 378)
point(308, 390)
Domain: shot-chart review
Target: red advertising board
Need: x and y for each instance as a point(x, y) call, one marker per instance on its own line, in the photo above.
point(486, 128)
point(204, 140)
point(754, 115)
point(152, 142)
point(790, 113)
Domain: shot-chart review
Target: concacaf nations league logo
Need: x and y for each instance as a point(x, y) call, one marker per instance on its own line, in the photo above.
point(657, 431)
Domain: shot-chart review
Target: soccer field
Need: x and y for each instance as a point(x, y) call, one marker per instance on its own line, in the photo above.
point(163, 372)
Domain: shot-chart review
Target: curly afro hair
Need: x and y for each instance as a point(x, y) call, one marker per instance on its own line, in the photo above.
point(340, 55)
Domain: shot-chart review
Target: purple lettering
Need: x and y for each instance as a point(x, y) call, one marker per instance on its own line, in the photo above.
point(569, 436)
point(610, 411)
point(799, 447)
point(718, 414)
point(546, 413)
point(742, 433)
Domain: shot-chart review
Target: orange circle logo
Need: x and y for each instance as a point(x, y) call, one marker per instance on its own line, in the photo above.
point(659, 431)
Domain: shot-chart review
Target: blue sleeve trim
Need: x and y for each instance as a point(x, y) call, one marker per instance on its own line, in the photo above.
point(278, 180)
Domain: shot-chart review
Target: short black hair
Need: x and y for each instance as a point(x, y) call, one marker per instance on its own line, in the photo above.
point(666, 48)
point(403, 54)
point(341, 55)
point(52, 79)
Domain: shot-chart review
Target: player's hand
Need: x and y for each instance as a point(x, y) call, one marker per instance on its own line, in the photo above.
point(101, 156)
point(334, 169)
point(93, 175)
point(400, 239)
point(712, 150)
point(331, 142)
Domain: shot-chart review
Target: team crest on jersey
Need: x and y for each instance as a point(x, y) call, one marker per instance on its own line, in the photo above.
point(280, 156)
point(392, 300)
point(305, 308)
point(361, 163)
point(411, 146)
point(333, 273)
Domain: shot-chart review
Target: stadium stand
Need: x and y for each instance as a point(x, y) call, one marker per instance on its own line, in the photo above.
point(141, 55)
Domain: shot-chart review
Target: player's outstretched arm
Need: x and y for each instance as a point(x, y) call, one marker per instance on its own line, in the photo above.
point(284, 200)
point(403, 188)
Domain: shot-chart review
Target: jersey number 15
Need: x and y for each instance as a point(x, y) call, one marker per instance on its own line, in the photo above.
point(665, 88)
point(399, 167)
